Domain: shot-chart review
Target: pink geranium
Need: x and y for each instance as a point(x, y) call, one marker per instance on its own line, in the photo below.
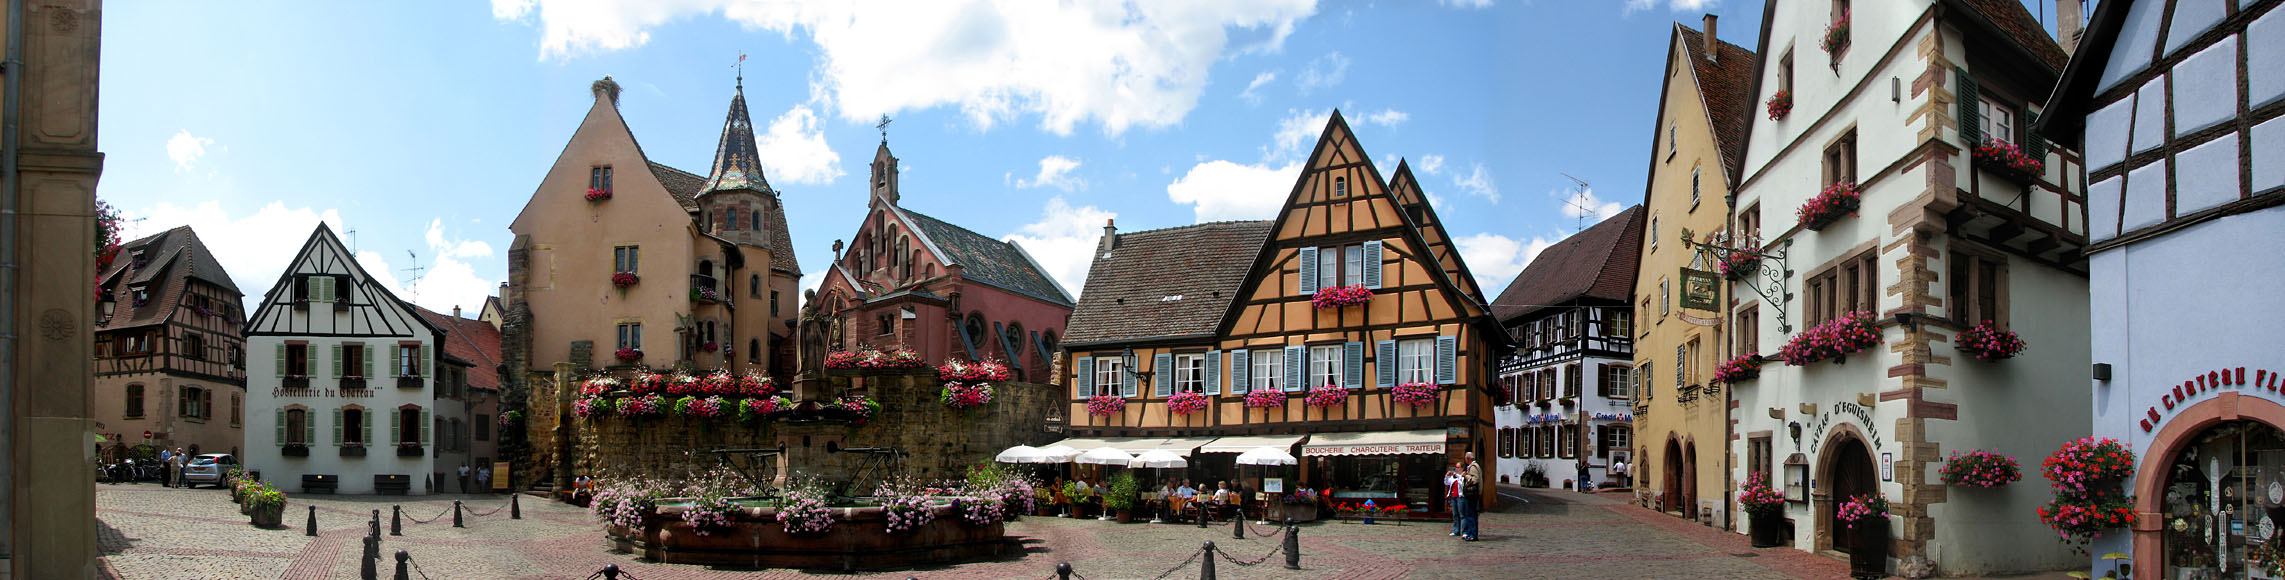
point(1331, 297)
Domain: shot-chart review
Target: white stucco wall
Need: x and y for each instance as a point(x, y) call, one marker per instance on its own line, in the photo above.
point(1591, 401)
point(264, 400)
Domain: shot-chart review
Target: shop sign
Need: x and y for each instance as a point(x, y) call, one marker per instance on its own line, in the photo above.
point(2181, 394)
point(1698, 289)
point(1391, 449)
point(1825, 420)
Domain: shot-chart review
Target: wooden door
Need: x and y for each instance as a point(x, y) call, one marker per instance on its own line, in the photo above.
point(1853, 475)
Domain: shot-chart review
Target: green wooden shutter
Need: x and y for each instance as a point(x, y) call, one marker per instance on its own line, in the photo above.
point(336, 361)
point(1373, 264)
point(2032, 144)
point(1162, 383)
point(1213, 372)
point(1086, 378)
point(309, 359)
point(1971, 118)
point(1353, 364)
point(281, 360)
point(1308, 257)
point(337, 427)
point(424, 426)
point(1385, 363)
point(281, 428)
point(1240, 365)
point(1296, 369)
point(367, 372)
point(422, 358)
point(1447, 359)
point(368, 428)
point(397, 427)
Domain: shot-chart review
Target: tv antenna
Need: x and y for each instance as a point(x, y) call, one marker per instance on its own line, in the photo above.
point(1577, 200)
point(352, 232)
point(412, 287)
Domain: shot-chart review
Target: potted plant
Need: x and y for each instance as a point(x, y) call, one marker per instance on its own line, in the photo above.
point(1334, 297)
point(1979, 468)
point(1834, 340)
point(1415, 394)
point(1121, 497)
point(1105, 405)
point(629, 355)
point(960, 397)
point(1264, 399)
point(598, 194)
point(1836, 201)
point(1764, 510)
point(1743, 368)
point(625, 279)
point(1076, 494)
point(1299, 506)
point(1989, 342)
point(1187, 403)
point(1867, 517)
point(2008, 160)
point(1836, 37)
point(265, 506)
point(804, 512)
point(2086, 473)
point(1326, 397)
point(1780, 104)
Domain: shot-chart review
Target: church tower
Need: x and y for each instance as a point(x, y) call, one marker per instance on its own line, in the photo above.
point(736, 195)
point(885, 171)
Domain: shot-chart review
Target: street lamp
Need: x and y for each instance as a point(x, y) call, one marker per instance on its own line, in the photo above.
point(1128, 358)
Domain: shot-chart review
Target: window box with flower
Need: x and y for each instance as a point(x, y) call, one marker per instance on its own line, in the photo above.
point(1836, 39)
point(625, 279)
point(1834, 340)
point(1979, 468)
point(1334, 297)
point(1326, 397)
point(1105, 405)
point(2009, 161)
point(1836, 201)
point(410, 449)
point(1264, 399)
point(1415, 395)
point(1988, 342)
point(1187, 403)
point(598, 194)
point(1743, 368)
point(629, 355)
point(1780, 105)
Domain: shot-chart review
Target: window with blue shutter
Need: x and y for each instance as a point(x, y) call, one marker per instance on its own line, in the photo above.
point(1385, 363)
point(1085, 381)
point(281, 427)
point(1162, 383)
point(1240, 365)
point(1296, 368)
point(1373, 264)
point(1353, 365)
point(1447, 360)
point(1308, 260)
point(1213, 372)
point(1127, 382)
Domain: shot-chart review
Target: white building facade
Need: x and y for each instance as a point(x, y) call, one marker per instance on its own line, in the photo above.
point(340, 386)
point(1896, 98)
point(1570, 382)
point(2177, 105)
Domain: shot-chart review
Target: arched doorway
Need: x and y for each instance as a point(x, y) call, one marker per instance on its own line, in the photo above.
point(1690, 479)
point(1670, 497)
point(1848, 472)
point(2229, 438)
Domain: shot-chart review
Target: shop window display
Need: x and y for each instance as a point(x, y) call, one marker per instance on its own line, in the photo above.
point(2224, 503)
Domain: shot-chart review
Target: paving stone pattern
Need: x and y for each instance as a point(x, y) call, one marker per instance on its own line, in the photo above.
point(151, 532)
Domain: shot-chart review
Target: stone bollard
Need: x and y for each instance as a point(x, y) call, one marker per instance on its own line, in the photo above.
point(312, 521)
point(1063, 571)
point(368, 567)
point(1238, 527)
point(396, 520)
point(456, 514)
point(1292, 545)
point(404, 565)
point(515, 508)
point(610, 572)
point(373, 527)
point(1202, 511)
point(1206, 566)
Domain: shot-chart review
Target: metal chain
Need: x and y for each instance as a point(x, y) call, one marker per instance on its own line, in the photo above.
point(416, 566)
point(1274, 530)
point(1265, 557)
point(439, 515)
point(1176, 568)
point(473, 512)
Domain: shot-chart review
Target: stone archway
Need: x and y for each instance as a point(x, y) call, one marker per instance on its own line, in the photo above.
point(1690, 478)
point(1670, 470)
point(2150, 473)
point(1844, 469)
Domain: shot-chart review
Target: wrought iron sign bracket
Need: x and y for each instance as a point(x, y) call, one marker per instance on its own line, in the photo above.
point(1773, 270)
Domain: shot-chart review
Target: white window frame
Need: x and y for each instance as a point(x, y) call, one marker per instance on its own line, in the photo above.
point(1997, 119)
point(1416, 361)
point(1110, 375)
point(1328, 267)
point(1269, 366)
point(1622, 381)
point(1189, 373)
point(1324, 366)
point(1527, 442)
point(1619, 436)
point(1566, 446)
point(1353, 258)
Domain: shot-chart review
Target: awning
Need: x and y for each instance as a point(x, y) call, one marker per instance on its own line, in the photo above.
point(1135, 445)
point(1242, 444)
point(1429, 441)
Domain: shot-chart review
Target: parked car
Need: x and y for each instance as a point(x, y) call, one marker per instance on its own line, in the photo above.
point(208, 469)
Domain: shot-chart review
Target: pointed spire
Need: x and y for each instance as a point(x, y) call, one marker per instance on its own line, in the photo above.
point(737, 163)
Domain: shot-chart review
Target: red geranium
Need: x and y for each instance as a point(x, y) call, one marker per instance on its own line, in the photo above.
point(1837, 200)
point(625, 279)
point(1780, 104)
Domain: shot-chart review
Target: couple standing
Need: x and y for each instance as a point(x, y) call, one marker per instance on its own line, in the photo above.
point(1462, 482)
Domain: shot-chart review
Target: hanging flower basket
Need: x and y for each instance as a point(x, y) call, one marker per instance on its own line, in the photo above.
point(1834, 339)
point(1989, 342)
point(629, 355)
point(1416, 394)
point(625, 279)
point(973, 371)
point(1264, 399)
point(1326, 397)
point(1187, 403)
point(1740, 263)
point(2009, 161)
point(596, 194)
point(1780, 105)
point(1979, 468)
point(1740, 369)
point(2088, 464)
point(1340, 296)
point(958, 396)
point(1837, 201)
point(1106, 405)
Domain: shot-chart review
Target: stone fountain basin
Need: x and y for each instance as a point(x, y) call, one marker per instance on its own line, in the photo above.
point(859, 540)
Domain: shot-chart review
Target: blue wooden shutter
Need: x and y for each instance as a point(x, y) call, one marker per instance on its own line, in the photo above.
point(1240, 365)
point(1162, 382)
point(1385, 362)
point(1086, 379)
point(1213, 372)
point(1353, 365)
point(1447, 359)
point(1308, 259)
point(1373, 264)
point(1296, 368)
point(1127, 386)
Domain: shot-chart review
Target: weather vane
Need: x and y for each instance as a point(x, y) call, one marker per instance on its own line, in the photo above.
point(884, 127)
point(741, 66)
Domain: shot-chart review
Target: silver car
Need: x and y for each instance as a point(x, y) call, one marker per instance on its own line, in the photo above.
point(208, 469)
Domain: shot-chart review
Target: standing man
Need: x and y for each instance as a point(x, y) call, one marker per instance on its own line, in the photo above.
point(165, 455)
point(1471, 485)
point(464, 478)
point(174, 468)
point(484, 479)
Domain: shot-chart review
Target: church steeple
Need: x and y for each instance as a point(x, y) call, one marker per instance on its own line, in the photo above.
point(737, 163)
point(884, 168)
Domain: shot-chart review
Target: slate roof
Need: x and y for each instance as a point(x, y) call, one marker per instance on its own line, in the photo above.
point(1597, 263)
point(2019, 25)
point(469, 340)
point(1725, 88)
point(1127, 287)
point(983, 259)
point(737, 163)
point(172, 258)
point(685, 187)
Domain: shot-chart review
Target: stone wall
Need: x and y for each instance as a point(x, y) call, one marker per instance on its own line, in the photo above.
point(939, 442)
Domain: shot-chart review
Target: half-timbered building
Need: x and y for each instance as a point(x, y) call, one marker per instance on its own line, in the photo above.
point(1571, 409)
point(1354, 294)
point(2177, 105)
point(169, 359)
point(343, 393)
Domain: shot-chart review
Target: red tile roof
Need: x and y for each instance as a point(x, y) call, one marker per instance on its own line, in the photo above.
point(171, 260)
point(2019, 25)
point(1725, 86)
point(470, 340)
point(1167, 282)
point(1597, 263)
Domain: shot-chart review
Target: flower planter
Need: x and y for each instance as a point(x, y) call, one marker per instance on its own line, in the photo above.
point(294, 451)
point(1836, 201)
point(352, 451)
point(1126, 516)
point(410, 451)
point(268, 516)
point(1280, 511)
point(1844, 208)
point(1767, 528)
point(1869, 558)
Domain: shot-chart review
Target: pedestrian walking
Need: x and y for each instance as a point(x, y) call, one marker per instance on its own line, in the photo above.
point(174, 468)
point(463, 478)
point(484, 478)
point(166, 456)
point(1453, 495)
point(1471, 486)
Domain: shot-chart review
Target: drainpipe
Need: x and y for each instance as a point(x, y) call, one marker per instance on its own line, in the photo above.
point(11, 97)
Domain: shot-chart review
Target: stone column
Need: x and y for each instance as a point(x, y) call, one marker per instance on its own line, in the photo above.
point(561, 402)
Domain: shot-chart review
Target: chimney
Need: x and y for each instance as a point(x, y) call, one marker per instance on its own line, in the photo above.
point(2070, 23)
point(1110, 237)
point(455, 311)
point(1714, 44)
point(606, 88)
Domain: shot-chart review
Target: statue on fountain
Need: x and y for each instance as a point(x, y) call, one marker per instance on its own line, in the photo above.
point(819, 333)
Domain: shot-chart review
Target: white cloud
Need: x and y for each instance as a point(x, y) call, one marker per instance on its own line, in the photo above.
point(1633, 6)
point(1470, 4)
point(1496, 259)
point(447, 281)
point(1118, 64)
point(1063, 241)
point(1296, 133)
point(1323, 72)
point(254, 248)
point(1478, 182)
point(1252, 94)
point(1388, 118)
point(1432, 163)
point(454, 248)
point(794, 149)
point(186, 149)
point(1222, 190)
point(1584, 202)
point(1055, 171)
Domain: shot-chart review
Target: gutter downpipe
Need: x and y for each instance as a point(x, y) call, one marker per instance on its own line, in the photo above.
point(11, 99)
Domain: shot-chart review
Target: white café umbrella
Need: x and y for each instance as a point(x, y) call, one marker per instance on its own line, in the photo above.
point(1021, 454)
point(1105, 456)
point(1058, 454)
point(1158, 459)
point(1265, 456)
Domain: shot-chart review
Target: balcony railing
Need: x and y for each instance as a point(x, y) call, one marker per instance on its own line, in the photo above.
point(295, 382)
point(352, 382)
point(704, 288)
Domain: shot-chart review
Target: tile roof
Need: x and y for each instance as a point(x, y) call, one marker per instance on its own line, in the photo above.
point(1725, 87)
point(998, 263)
point(469, 340)
point(2018, 24)
point(172, 258)
point(1199, 266)
point(685, 187)
point(1597, 263)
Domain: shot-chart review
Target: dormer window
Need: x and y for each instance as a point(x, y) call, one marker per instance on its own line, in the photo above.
point(142, 295)
point(139, 258)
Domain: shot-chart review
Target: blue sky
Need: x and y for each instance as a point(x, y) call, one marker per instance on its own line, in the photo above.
point(426, 130)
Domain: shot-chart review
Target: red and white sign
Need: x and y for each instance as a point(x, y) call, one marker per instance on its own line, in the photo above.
point(146, 434)
point(2215, 380)
point(1375, 449)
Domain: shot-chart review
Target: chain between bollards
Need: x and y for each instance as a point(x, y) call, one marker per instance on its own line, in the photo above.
point(312, 521)
point(1206, 566)
point(456, 514)
point(1292, 545)
point(396, 520)
point(404, 565)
